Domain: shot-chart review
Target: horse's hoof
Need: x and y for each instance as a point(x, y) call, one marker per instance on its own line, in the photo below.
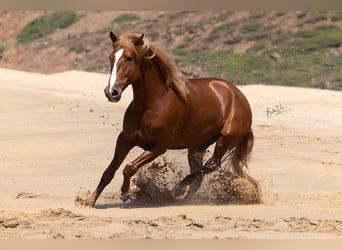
point(135, 189)
point(90, 204)
point(126, 197)
point(130, 194)
point(179, 192)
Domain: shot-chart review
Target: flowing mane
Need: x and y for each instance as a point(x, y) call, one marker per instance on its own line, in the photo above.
point(171, 76)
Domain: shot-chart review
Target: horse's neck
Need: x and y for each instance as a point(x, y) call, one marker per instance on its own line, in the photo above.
point(148, 90)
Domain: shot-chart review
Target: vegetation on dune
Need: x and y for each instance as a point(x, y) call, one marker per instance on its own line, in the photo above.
point(2, 48)
point(325, 36)
point(125, 18)
point(304, 58)
point(337, 16)
point(316, 16)
point(46, 25)
point(297, 67)
point(305, 51)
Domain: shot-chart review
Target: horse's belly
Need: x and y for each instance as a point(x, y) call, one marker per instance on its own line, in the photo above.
point(196, 134)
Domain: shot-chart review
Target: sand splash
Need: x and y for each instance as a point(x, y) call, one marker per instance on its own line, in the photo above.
point(156, 181)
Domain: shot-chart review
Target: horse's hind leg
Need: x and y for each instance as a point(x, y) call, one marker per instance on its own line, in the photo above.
point(224, 143)
point(195, 160)
point(196, 155)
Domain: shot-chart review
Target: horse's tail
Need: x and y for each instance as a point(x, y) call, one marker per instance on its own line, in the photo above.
point(239, 158)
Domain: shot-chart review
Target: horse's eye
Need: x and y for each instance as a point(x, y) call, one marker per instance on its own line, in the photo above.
point(129, 59)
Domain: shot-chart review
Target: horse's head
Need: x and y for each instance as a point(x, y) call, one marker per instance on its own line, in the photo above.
point(125, 59)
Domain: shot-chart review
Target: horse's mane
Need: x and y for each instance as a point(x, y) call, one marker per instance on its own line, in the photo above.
point(171, 76)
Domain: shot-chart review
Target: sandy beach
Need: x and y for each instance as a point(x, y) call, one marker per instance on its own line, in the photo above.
point(58, 133)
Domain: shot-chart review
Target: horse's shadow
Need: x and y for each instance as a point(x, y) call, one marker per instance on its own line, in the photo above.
point(153, 204)
point(127, 206)
point(137, 205)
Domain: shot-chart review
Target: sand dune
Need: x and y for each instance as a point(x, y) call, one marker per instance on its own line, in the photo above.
point(58, 134)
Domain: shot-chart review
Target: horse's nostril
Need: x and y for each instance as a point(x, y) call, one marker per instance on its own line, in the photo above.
point(115, 93)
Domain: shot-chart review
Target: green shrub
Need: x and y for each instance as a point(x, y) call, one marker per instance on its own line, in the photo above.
point(336, 16)
point(2, 48)
point(257, 14)
point(92, 68)
point(125, 18)
point(46, 25)
point(260, 35)
point(259, 45)
point(301, 14)
point(224, 28)
point(77, 48)
point(280, 13)
point(251, 26)
point(316, 17)
point(324, 36)
point(234, 40)
point(150, 32)
point(224, 16)
point(282, 38)
point(177, 14)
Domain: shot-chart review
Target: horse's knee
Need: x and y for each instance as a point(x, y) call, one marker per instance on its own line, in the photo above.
point(129, 170)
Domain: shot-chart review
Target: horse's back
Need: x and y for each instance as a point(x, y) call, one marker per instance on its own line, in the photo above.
point(222, 90)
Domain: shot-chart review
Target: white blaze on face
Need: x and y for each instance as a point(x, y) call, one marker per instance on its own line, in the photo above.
point(112, 78)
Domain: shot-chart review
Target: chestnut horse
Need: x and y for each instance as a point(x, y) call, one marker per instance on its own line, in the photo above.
point(169, 111)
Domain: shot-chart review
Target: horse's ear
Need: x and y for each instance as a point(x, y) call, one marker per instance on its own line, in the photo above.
point(139, 40)
point(113, 36)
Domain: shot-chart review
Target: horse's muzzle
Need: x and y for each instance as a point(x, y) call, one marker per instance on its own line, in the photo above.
point(114, 95)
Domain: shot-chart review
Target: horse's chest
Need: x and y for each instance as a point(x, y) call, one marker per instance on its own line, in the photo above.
point(144, 138)
point(144, 132)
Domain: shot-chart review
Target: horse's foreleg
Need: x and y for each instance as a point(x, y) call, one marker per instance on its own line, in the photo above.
point(132, 167)
point(123, 146)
